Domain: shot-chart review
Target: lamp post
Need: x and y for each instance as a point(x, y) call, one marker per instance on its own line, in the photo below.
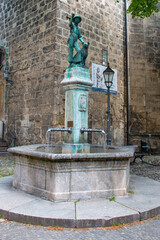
point(108, 80)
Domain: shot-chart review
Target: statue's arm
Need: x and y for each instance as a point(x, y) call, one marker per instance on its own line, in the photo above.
point(71, 20)
point(80, 37)
point(81, 40)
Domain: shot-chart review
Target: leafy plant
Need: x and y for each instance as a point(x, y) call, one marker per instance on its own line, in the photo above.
point(113, 198)
point(117, 224)
point(130, 191)
point(75, 208)
point(142, 8)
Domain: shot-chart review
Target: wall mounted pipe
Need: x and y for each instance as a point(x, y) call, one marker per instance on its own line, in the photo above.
point(126, 71)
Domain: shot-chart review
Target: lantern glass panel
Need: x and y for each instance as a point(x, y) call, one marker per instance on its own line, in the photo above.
point(108, 76)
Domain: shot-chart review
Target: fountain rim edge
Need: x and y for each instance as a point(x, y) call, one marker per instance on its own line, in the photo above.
point(31, 150)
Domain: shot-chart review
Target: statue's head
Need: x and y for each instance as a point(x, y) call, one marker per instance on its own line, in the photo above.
point(77, 19)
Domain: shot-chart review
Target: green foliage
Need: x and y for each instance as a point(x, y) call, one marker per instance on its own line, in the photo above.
point(6, 171)
point(130, 191)
point(75, 209)
point(142, 8)
point(117, 224)
point(113, 198)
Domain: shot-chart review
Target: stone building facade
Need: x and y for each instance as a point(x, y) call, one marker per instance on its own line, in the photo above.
point(36, 32)
point(144, 74)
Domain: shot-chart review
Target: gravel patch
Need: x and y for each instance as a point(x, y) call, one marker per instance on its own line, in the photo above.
point(146, 230)
point(147, 169)
point(6, 165)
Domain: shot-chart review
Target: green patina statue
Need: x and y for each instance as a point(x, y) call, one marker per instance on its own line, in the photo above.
point(75, 34)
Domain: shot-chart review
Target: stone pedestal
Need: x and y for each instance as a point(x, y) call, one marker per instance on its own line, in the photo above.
point(77, 84)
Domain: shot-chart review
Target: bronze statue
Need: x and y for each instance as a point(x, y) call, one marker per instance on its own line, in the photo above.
point(75, 34)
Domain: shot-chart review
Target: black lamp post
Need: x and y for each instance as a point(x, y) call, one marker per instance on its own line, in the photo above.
point(108, 80)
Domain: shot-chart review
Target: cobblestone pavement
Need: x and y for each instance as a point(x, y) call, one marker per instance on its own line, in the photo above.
point(146, 230)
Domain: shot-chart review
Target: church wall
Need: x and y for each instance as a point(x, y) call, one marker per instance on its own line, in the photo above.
point(144, 76)
point(36, 33)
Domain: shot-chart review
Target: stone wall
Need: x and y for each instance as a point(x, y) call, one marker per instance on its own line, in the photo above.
point(144, 74)
point(29, 30)
point(103, 26)
point(36, 32)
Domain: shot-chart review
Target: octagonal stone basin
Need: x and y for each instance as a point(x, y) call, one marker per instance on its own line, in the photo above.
point(56, 176)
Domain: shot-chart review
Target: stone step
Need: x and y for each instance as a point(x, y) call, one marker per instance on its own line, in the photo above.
point(3, 146)
point(3, 149)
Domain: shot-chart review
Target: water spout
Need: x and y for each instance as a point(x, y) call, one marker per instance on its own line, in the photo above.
point(95, 130)
point(69, 130)
point(50, 131)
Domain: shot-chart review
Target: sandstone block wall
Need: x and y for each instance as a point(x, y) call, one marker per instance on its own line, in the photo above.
point(36, 32)
point(144, 74)
point(103, 26)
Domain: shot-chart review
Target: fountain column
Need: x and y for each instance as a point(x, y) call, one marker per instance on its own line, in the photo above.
point(77, 84)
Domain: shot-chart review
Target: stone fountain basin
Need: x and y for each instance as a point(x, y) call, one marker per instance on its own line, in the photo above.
point(57, 176)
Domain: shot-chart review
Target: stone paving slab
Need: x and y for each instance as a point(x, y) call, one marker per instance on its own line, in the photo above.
point(145, 197)
point(11, 200)
point(103, 212)
point(143, 203)
point(105, 209)
point(6, 181)
point(42, 208)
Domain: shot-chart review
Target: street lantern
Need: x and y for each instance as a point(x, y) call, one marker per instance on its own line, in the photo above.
point(108, 80)
point(108, 76)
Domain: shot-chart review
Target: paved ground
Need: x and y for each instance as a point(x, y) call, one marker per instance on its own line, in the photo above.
point(6, 165)
point(146, 230)
point(147, 170)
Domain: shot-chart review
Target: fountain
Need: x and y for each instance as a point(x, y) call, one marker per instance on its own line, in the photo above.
point(74, 169)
